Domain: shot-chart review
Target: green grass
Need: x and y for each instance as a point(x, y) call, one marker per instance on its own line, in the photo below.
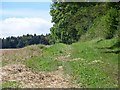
point(55, 50)
point(95, 65)
point(94, 68)
point(42, 64)
point(47, 62)
point(91, 75)
point(10, 84)
point(101, 43)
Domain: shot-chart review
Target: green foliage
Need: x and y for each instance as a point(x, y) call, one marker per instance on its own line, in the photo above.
point(22, 41)
point(103, 27)
point(20, 44)
point(111, 23)
point(76, 20)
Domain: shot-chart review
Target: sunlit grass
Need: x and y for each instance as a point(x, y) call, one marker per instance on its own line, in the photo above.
point(94, 68)
point(90, 63)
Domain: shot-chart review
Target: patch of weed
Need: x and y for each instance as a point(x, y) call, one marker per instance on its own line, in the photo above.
point(43, 64)
point(10, 84)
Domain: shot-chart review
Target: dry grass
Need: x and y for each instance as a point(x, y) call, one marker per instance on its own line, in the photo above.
point(19, 55)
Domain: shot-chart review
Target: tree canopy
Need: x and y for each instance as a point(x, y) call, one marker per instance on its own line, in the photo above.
point(73, 20)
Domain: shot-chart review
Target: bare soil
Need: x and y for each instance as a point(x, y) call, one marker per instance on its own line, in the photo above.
point(28, 79)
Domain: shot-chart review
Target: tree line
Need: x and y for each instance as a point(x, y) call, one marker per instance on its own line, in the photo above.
point(22, 41)
point(76, 21)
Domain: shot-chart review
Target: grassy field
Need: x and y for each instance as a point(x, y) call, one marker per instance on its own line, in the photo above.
point(94, 67)
point(91, 64)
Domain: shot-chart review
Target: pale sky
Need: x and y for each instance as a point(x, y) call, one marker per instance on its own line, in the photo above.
point(20, 18)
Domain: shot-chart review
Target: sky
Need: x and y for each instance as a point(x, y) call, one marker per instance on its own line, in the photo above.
point(21, 18)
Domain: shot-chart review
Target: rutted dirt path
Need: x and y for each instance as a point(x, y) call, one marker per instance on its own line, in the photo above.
point(28, 79)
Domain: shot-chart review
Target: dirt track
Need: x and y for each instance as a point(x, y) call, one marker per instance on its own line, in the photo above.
point(29, 79)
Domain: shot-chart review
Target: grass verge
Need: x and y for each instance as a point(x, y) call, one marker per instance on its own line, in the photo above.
point(10, 84)
point(93, 68)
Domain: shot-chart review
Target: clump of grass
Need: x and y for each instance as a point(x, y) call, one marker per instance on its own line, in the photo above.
point(43, 64)
point(10, 84)
point(47, 62)
point(54, 50)
point(107, 43)
point(41, 46)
